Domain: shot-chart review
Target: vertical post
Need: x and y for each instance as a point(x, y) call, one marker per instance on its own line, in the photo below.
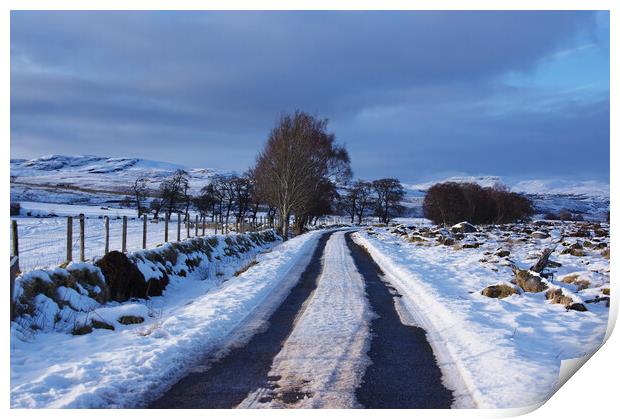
point(124, 235)
point(106, 222)
point(179, 227)
point(196, 227)
point(69, 239)
point(166, 228)
point(187, 222)
point(15, 249)
point(82, 258)
point(144, 219)
point(204, 222)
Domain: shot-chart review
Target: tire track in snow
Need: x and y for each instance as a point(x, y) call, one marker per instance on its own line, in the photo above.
point(323, 360)
point(404, 373)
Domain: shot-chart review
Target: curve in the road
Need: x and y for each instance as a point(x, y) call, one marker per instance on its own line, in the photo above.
point(228, 381)
point(404, 372)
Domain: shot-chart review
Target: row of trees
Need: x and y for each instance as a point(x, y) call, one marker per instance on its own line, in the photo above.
point(297, 177)
point(225, 198)
point(381, 197)
point(451, 202)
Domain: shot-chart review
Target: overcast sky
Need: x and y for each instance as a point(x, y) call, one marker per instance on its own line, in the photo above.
point(414, 95)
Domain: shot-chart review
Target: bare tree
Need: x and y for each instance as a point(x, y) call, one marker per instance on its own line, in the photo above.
point(254, 197)
point(174, 192)
point(242, 193)
point(298, 156)
point(365, 199)
point(155, 206)
point(139, 192)
point(389, 194)
point(204, 202)
point(348, 203)
point(224, 186)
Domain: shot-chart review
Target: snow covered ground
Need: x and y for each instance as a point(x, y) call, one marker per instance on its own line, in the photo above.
point(130, 366)
point(325, 355)
point(497, 352)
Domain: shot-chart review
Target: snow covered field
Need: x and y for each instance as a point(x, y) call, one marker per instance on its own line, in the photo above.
point(499, 352)
point(42, 241)
point(130, 366)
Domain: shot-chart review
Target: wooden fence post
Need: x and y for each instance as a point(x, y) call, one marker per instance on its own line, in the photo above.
point(196, 227)
point(204, 222)
point(144, 219)
point(106, 222)
point(69, 239)
point(179, 227)
point(166, 228)
point(15, 249)
point(124, 235)
point(187, 225)
point(82, 258)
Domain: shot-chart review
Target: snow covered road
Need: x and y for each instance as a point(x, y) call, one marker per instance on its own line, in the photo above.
point(325, 346)
point(324, 358)
point(313, 325)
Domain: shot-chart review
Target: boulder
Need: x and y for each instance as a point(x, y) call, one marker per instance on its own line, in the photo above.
point(539, 235)
point(464, 227)
point(499, 291)
point(130, 319)
point(446, 241)
point(556, 296)
point(528, 281)
point(416, 239)
point(124, 279)
point(606, 253)
point(502, 253)
point(599, 232)
point(575, 249)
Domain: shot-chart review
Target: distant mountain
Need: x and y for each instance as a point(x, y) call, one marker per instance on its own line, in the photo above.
point(99, 173)
point(92, 179)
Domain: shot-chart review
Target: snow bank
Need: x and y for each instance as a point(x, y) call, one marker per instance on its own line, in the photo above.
point(57, 299)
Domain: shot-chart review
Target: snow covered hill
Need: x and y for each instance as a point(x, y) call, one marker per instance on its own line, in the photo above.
point(91, 179)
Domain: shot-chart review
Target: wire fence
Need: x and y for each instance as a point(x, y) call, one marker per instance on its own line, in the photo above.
point(52, 241)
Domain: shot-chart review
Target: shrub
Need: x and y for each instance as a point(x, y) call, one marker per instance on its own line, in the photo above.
point(452, 202)
point(566, 216)
point(551, 216)
point(81, 330)
point(130, 319)
point(15, 208)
